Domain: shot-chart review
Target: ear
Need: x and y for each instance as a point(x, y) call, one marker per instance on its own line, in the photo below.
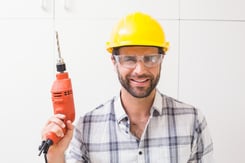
point(163, 57)
point(113, 60)
point(114, 63)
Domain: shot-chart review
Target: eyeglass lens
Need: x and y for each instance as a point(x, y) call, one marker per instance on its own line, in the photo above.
point(131, 61)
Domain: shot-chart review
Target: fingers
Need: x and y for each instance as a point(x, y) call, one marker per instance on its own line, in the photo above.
point(54, 124)
point(57, 119)
point(63, 144)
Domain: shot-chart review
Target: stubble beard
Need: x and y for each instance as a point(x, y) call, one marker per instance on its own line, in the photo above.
point(139, 92)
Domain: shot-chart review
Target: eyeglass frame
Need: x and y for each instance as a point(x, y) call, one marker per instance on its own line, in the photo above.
point(142, 58)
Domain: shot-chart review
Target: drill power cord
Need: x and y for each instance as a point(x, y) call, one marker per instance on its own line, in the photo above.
point(44, 147)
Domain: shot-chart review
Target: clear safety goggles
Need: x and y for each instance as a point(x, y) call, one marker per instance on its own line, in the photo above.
point(130, 61)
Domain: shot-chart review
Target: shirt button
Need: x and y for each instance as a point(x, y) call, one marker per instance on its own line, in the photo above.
point(140, 152)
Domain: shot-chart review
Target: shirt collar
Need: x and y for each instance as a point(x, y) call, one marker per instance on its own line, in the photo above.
point(155, 110)
point(157, 104)
point(119, 110)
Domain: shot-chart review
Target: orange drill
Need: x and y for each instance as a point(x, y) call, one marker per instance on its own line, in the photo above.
point(62, 99)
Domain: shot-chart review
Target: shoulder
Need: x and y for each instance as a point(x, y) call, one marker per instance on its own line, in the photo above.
point(177, 107)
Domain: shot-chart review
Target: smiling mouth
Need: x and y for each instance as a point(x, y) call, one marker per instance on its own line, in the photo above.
point(140, 82)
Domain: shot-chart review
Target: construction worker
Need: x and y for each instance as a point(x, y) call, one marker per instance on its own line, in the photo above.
point(140, 124)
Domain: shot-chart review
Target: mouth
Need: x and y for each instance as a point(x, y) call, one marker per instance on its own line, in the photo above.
point(140, 82)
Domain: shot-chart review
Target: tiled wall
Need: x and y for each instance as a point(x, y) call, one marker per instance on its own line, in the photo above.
point(204, 65)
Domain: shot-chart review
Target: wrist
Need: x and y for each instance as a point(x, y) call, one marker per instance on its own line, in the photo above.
point(55, 156)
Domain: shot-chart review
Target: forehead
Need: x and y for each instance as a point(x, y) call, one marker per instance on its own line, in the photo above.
point(138, 50)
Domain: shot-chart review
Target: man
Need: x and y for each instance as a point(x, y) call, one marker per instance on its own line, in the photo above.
point(140, 124)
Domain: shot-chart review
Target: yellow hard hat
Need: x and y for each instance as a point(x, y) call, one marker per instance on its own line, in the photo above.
point(137, 29)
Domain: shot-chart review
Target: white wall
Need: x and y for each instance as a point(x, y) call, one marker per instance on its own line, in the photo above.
point(212, 70)
point(204, 66)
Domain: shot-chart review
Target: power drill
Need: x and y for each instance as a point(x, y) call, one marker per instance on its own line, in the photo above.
point(62, 99)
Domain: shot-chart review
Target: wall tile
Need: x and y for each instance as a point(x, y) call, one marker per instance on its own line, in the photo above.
point(212, 9)
point(27, 9)
point(97, 9)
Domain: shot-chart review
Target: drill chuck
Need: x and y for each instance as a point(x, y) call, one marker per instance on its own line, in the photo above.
point(60, 66)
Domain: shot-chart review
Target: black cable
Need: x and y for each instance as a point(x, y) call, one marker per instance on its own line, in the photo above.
point(43, 148)
point(45, 158)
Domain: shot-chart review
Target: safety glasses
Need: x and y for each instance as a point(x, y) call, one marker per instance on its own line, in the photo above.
point(130, 61)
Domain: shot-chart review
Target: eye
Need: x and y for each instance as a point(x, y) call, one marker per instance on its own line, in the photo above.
point(129, 59)
point(152, 58)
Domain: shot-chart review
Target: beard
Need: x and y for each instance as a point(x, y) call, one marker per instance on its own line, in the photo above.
point(139, 92)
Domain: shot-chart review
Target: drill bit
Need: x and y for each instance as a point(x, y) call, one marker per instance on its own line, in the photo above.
point(60, 66)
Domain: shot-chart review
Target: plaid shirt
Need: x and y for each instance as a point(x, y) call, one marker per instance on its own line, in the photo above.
point(175, 133)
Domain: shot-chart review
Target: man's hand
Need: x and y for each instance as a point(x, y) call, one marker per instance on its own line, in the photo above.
point(56, 124)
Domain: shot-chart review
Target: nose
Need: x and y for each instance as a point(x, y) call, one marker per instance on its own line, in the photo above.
point(139, 67)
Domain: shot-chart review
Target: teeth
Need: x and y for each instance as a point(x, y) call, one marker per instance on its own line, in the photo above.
point(140, 81)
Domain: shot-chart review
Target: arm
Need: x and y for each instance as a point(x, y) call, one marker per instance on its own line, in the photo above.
point(202, 145)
